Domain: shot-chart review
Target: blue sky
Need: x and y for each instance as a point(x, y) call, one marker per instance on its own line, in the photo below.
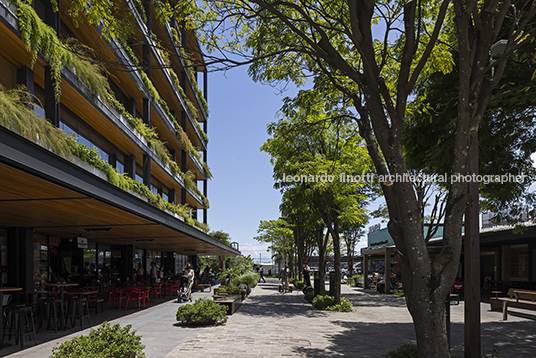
point(241, 191)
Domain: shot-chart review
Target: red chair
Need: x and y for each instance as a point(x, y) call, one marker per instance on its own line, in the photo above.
point(145, 292)
point(157, 291)
point(174, 288)
point(116, 294)
point(134, 294)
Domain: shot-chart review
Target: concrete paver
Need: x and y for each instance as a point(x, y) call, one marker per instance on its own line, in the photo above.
point(272, 324)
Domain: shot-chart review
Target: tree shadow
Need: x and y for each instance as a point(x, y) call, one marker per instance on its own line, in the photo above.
point(514, 339)
point(277, 304)
point(363, 340)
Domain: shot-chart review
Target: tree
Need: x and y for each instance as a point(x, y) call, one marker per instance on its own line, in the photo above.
point(506, 133)
point(351, 235)
point(280, 237)
point(315, 160)
point(226, 239)
point(333, 42)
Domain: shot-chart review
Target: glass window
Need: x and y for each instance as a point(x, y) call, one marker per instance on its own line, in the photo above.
point(3, 258)
point(120, 167)
point(80, 139)
point(40, 264)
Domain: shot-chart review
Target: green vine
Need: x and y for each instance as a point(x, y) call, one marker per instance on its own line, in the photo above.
point(41, 38)
point(17, 115)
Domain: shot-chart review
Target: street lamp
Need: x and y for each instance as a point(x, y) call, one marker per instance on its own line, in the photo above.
point(472, 328)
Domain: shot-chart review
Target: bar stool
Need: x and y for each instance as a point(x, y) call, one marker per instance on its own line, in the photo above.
point(78, 309)
point(47, 309)
point(20, 322)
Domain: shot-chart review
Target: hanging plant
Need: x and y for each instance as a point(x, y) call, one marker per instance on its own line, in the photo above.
point(41, 38)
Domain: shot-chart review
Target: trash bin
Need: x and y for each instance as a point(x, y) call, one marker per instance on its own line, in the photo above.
point(332, 283)
point(317, 282)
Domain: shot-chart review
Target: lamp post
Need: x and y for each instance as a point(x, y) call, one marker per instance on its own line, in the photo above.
point(472, 328)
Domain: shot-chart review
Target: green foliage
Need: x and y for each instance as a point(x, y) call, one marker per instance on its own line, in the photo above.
point(104, 342)
point(233, 291)
point(41, 38)
point(404, 351)
point(249, 278)
point(309, 296)
point(17, 116)
point(203, 312)
point(299, 284)
point(326, 302)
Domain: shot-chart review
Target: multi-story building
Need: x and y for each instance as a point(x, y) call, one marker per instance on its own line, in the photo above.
point(102, 145)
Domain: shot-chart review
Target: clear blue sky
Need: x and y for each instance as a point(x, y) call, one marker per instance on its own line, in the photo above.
point(241, 192)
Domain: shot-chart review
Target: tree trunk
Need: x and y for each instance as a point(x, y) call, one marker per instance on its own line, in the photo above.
point(337, 252)
point(322, 243)
point(350, 260)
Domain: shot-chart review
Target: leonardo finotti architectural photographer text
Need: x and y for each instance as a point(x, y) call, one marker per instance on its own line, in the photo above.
point(407, 178)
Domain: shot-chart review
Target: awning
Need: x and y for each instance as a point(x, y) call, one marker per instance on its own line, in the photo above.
point(43, 191)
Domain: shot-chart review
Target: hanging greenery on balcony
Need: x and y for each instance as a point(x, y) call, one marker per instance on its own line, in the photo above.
point(16, 114)
point(40, 38)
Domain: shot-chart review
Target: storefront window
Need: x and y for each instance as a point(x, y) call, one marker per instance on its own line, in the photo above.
point(40, 258)
point(138, 260)
point(3, 257)
point(519, 262)
point(104, 264)
point(90, 264)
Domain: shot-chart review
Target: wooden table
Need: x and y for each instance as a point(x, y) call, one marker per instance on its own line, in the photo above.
point(2, 290)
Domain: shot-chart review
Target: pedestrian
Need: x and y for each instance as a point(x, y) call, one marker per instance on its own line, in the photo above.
point(261, 273)
point(306, 275)
point(191, 276)
point(284, 276)
point(140, 273)
point(154, 273)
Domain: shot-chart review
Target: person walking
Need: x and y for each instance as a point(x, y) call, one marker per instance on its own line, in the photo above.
point(191, 275)
point(140, 273)
point(261, 273)
point(154, 273)
point(306, 275)
point(284, 276)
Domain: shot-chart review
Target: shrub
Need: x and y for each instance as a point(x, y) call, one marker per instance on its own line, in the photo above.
point(309, 296)
point(233, 291)
point(202, 312)
point(327, 302)
point(299, 284)
point(344, 306)
point(249, 278)
point(321, 302)
point(404, 351)
point(103, 342)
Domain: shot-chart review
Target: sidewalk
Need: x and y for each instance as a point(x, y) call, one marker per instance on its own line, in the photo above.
point(272, 324)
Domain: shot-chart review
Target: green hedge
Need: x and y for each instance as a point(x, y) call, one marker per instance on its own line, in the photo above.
point(326, 302)
point(104, 342)
point(201, 313)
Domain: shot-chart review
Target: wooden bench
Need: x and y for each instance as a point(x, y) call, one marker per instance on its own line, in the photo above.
point(516, 298)
point(202, 286)
point(232, 302)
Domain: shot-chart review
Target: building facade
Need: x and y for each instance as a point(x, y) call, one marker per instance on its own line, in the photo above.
point(507, 255)
point(103, 145)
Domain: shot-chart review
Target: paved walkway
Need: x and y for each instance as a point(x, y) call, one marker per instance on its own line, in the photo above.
point(272, 324)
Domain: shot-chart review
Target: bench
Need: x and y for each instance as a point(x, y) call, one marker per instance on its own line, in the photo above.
point(202, 286)
point(518, 298)
point(232, 302)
